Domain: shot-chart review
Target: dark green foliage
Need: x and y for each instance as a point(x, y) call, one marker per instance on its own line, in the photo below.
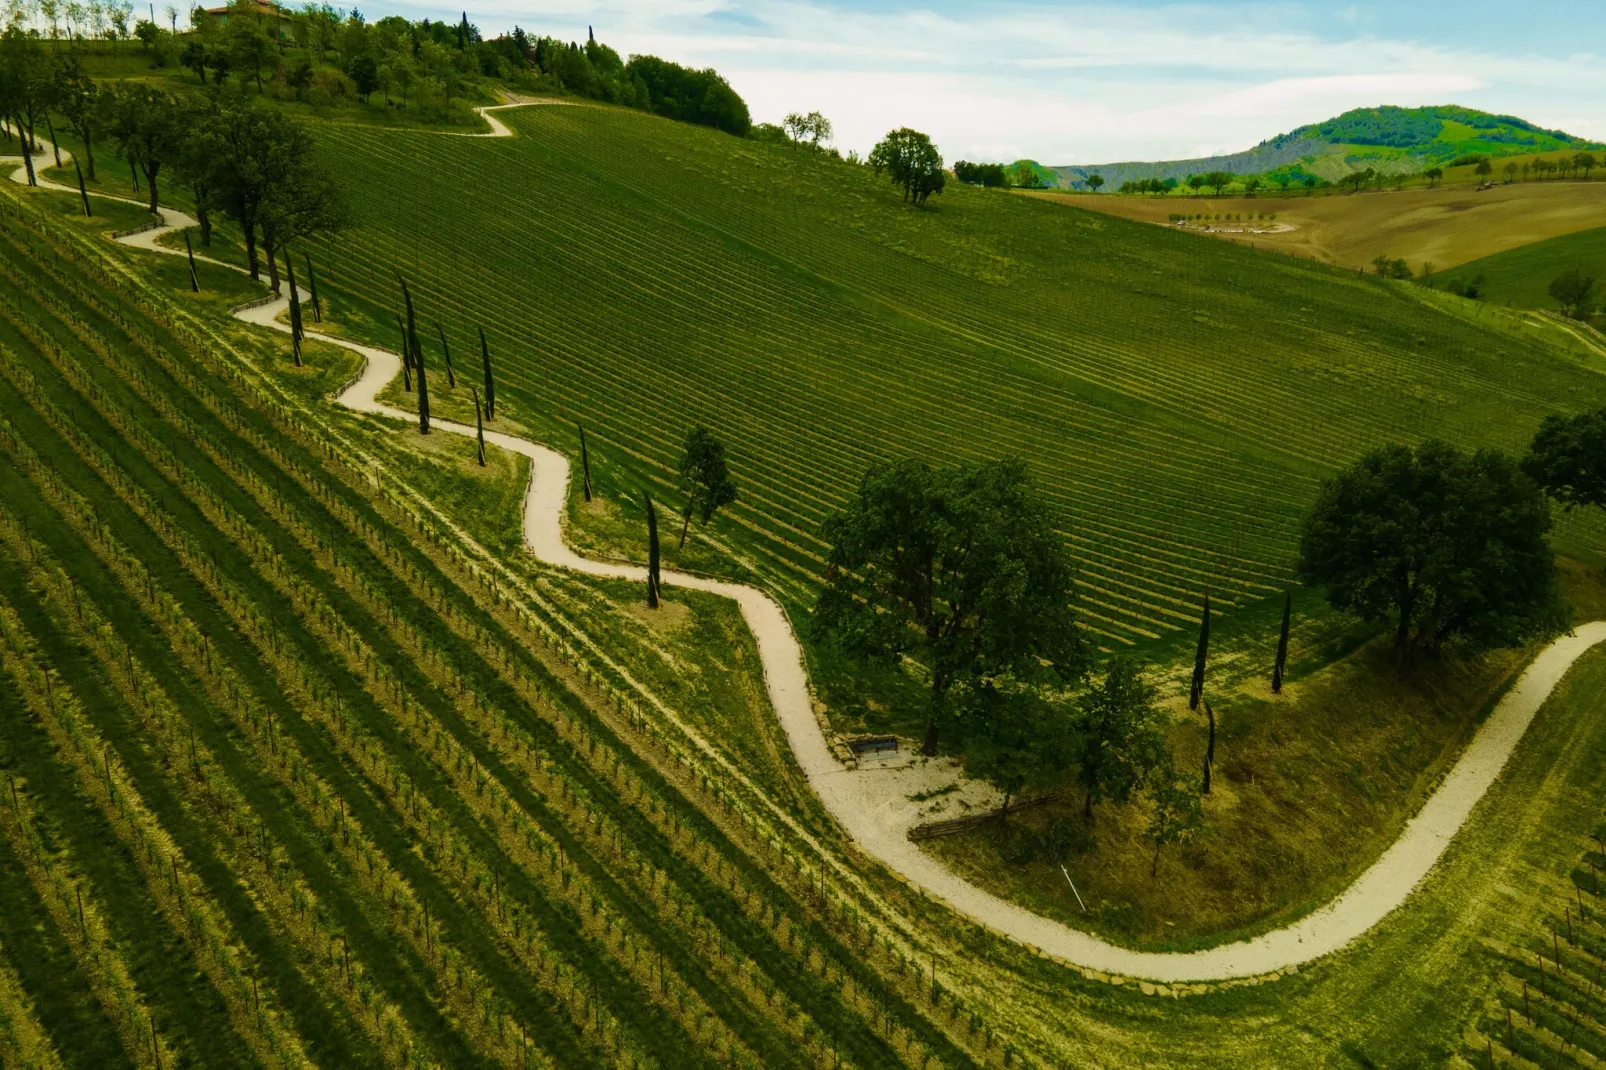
point(1574, 291)
point(585, 463)
point(692, 96)
point(143, 121)
point(312, 284)
point(1177, 812)
point(652, 552)
point(446, 357)
point(990, 175)
point(1281, 664)
point(1568, 459)
point(1200, 654)
point(704, 478)
point(1012, 737)
point(959, 568)
point(912, 162)
point(490, 387)
point(77, 97)
point(1443, 544)
point(1119, 735)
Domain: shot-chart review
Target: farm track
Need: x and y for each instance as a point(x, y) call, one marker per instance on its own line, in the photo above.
point(865, 802)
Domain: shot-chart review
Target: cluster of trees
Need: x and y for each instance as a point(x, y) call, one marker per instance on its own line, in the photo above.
point(912, 162)
point(1146, 185)
point(1391, 269)
point(960, 571)
point(1018, 175)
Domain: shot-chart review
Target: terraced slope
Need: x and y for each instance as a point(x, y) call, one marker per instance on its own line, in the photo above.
point(1179, 403)
point(290, 781)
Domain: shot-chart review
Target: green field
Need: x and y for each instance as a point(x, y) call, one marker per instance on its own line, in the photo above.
point(1178, 400)
point(1522, 276)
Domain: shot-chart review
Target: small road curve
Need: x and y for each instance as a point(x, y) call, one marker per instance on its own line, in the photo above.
point(872, 804)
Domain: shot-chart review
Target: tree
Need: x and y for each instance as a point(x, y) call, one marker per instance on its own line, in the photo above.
point(1510, 172)
point(818, 128)
point(1281, 663)
point(1251, 185)
point(1177, 814)
point(250, 46)
point(77, 99)
point(1483, 169)
point(1196, 183)
point(1200, 654)
point(1433, 174)
point(26, 88)
point(479, 426)
point(911, 161)
point(652, 552)
point(990, 175)
point(958, 568)
point(312, 284)
point(704, 478)
point(490, 387)
point(417, 353)
point(295, 308)
point(796, 125)
point(1574, 291)
point(1119, 739)
point(1218, 180)
point(196, 163)
point(1210, 748)
point(406, 356)
point(1586, 162)
point(1568, 459)
point(585, 462)
point(1013, 738)
point(446, 358)
point(144, 122)
point(1094, 181)
point(363, 71)
point(195, 57)
point(1442, 544)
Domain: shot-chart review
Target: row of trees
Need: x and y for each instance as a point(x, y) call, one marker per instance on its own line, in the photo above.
point(1018, 175)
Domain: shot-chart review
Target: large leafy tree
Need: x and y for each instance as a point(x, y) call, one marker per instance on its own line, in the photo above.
point(198, 164)
point(26, 87)
point(1442, 544)
point(1119, 737)
point(704, 478)
point(1014, 737)
point(912, 162)
point(1568, 459)
point(958, 568)
point(144, 123)
point(1574, 291)
point(77, 99)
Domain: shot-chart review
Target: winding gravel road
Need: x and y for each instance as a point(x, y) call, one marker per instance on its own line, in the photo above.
point(872, 802)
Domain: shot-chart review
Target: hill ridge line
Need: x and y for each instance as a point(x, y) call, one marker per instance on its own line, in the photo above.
point(871, 804)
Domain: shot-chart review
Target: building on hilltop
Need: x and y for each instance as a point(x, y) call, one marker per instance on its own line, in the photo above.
point(272, 15)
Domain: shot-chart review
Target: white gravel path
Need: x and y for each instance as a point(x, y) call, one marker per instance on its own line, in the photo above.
point(873, 803)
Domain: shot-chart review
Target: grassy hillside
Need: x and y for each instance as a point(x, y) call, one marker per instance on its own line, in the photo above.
point(1388, 139)
point(1446, 226)
point(1179, 400)
point(1522, 276)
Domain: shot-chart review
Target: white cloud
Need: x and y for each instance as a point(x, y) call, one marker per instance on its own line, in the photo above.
point(1062, 84)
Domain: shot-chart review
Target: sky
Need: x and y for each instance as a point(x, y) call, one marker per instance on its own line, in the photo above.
point(1075, 83)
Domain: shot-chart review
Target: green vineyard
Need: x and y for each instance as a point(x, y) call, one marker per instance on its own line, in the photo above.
point(290, 781)
point(1178, 401)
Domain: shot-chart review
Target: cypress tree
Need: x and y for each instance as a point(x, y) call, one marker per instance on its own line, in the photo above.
point(446, 351)
point(479, 425)
point(195, 280)
point(585, 462)
point(295, 308)
point(652, 553)
point(417, 352)
point(1282, 646)
point(312, 282)
point(82, 193)
point(490, 390)
point(407, 360)
point(1196, 691)
point(1210, 748)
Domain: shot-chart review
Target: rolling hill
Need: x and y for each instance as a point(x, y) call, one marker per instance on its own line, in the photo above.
point(1388, 139)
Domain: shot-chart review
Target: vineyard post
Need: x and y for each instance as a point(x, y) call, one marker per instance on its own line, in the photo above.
point(446, 351)
point(195, 281)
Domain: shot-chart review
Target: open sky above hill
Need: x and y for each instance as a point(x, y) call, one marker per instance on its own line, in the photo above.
point(1094, 83)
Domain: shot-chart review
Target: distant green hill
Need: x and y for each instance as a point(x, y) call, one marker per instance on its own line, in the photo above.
point(1522, 276)
point(1387, 139)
